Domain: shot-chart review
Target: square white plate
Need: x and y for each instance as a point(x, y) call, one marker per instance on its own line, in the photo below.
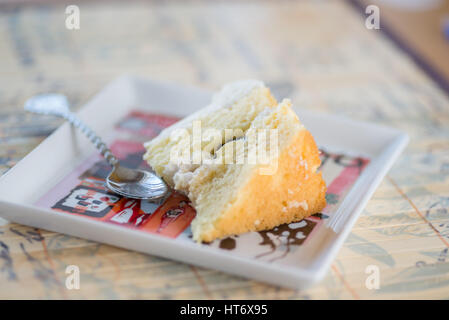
point(357, 156)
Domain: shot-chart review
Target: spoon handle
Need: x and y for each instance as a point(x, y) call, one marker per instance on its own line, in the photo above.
point(57, 105)
point(92, 136)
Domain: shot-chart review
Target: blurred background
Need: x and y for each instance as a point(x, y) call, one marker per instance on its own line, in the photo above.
point(384, 61)
point(304, 49)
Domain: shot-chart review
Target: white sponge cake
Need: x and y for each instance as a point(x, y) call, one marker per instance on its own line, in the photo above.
point(253, 167)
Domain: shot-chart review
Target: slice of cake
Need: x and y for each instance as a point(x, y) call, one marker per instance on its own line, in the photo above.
point(245, 161)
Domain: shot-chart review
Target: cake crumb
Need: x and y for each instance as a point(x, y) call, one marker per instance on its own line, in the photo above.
point(296, 204)
point(303, 163)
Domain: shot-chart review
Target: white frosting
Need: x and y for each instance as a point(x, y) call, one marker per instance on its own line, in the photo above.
point(182, 175)
point(182, 180)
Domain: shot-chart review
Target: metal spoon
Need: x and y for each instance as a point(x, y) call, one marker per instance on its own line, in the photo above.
point(130, 183)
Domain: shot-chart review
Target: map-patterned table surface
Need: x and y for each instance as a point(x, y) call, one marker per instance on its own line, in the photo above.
point(320, 54)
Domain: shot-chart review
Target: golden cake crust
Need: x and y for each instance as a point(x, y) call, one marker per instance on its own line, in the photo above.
point(298, 189)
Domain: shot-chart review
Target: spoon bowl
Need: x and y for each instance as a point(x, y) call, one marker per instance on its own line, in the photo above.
point(135, 183)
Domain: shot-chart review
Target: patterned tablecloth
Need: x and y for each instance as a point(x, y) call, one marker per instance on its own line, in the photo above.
point(320, 54)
